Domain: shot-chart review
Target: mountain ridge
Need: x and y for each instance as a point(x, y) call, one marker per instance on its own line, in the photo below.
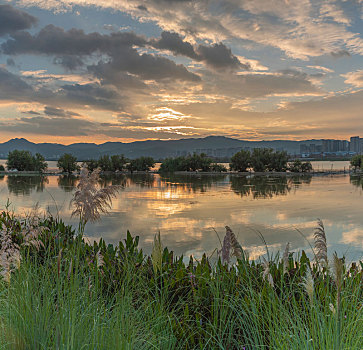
point(219, 146)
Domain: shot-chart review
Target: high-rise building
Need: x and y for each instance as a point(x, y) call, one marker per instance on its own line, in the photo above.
point(355, 144)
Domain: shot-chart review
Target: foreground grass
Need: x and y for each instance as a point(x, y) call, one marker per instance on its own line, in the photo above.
point(68, 294)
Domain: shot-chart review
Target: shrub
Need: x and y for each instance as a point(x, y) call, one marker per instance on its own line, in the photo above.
point(67, 163)
point(357, 162)
point(25, 161)
point(140, 164)
point(240, 161)
point(2, 168)
point(297, 166)
point(193, 162)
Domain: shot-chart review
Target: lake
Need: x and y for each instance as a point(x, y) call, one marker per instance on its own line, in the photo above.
point(190, 211)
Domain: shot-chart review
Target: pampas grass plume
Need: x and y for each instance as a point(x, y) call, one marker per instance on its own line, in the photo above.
point(157, 254)
point(308, 284)
point(320, 243)
point(89, 201)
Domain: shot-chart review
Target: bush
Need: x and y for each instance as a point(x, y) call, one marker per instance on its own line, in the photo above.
point(297, 166)
point(240, 161)
point(218, 168)
point(25, 161)
point(140, 164)
point(67, 163)
point(265, 159)
point(2, 168)
point(357, 162)
point(195, 162)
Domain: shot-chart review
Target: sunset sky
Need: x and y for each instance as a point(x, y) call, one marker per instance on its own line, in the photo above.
point(117, 70)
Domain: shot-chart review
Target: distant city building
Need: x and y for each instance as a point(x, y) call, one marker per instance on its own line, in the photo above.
point(356, 144)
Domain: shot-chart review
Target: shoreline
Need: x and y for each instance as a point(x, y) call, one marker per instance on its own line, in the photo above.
point(194, 173)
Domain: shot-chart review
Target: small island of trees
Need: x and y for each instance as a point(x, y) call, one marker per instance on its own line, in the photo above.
point(259, 160)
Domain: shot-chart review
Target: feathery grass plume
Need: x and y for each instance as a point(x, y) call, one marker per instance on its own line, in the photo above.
point(32, 229)
point(230, 247)
point(90, 201)
point(226, 248)
point(285, 258)
point(99, 259)
point(338, 270)
point(157, 254)
point(266, 275)
point(308, 284)
point(332, 308)
point(338, 276)
point(10, 257)
point(320, 243)
point(237, 250)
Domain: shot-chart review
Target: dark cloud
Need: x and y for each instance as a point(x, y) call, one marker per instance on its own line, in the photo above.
point(220, 56)
point(174, 43)
point(58, 126)
point(341, 53)
point(69, 62)
point(94, 95)
point(12, 87)
point(258, 85)
point(12, 19)
point(217, 56)
point(142, 8)
point(58, 112)
point(31, 112)
point(70, 46)
point(108, 74)
point(10, 62)
point(52, 40)
point(150, 67)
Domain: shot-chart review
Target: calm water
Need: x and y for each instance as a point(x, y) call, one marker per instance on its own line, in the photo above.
point(187, 210)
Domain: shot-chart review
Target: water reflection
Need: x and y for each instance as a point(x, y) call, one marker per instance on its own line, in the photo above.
point(266, 187)
point(244, 186)
point(25, 185)
point(187, 209)
point(356, 180)
point(192, 183)
point(67, 182)
point(142, 180)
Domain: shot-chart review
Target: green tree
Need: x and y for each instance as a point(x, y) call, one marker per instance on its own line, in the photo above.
point(39, 163)
point(261, 159)
point(357, 161)
point(240, 161)
point(295, 166)
point(306, 167)
point(218, 168)
point(67, 163)
point(170, 165)
point(278, 161)
point(140, 164)
point(91, 164)
point(25, 161)
point(104, 163)
point(118, 162)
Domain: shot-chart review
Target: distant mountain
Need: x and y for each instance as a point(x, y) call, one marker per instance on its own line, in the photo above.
point(218, 146)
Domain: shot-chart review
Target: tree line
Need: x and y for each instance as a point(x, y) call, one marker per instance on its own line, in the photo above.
point(266, 159)
point(259, 160)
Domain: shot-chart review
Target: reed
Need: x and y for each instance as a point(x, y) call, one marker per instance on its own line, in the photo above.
point(70, 294)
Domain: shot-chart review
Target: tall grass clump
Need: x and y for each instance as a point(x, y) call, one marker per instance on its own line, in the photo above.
point(64, 292)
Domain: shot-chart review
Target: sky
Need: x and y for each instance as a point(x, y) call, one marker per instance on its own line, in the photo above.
point(128, 70)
